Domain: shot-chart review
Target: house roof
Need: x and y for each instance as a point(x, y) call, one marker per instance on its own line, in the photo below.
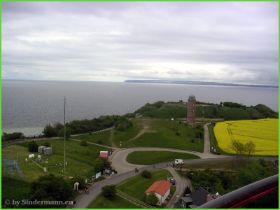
point(199, 197)
point(160, 187)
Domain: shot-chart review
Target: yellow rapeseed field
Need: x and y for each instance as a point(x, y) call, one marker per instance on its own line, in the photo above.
point(263, 133)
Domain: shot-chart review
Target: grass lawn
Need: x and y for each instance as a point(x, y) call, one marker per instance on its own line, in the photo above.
point(137, 185)
point(169, 134)
point(152, 157)
point(99, 138)
point(101, 202)
point(80, 159)
point(123, 136)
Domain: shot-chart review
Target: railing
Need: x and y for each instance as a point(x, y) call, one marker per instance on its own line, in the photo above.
point(133, 200)
point(244, 195)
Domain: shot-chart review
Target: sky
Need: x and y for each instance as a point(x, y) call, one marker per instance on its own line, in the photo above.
point(90, 41)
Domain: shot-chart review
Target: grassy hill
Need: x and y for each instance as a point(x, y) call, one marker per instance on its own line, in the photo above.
point(226, 110)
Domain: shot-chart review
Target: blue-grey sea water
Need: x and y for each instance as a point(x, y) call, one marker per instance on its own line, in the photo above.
point(27, 106)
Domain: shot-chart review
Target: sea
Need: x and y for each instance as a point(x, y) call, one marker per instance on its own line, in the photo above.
point(27, 106)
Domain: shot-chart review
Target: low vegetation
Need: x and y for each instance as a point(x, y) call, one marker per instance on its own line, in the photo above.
point(225, 181)
point(109, 192)
point(101, 202)
point(263, 133)
point(153, 157)
point(52, 188)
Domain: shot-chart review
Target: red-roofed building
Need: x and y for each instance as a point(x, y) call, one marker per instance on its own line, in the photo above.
point(104, 154)
point(161, 189)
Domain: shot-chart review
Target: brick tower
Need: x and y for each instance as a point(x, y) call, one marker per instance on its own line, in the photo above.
point(191, 110)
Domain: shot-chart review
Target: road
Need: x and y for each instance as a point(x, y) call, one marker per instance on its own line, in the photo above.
point(121, 165)
point(83, 200)
point(206, 139)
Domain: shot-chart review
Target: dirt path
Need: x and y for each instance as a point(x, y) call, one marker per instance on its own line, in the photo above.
point(146, 129)
point(111, 138)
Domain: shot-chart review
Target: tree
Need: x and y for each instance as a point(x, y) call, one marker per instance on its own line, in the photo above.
point(49, 131)
point(101, 164)
point(109, 192)
point(238, 147)
point(12, 136)
point(61, 133)
point(146, 174)
point(249, 148)
point(50, 188)
point(152, 199)
point(32, 146)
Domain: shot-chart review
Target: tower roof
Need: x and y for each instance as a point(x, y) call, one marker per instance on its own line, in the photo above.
point(191, 98)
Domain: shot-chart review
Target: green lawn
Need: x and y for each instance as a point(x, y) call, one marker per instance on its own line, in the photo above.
point(152, 157)
point(80, 159)
point(169, 134)
point(101, 202)
point(99, 138)
point(137, 185)
point(123, 136)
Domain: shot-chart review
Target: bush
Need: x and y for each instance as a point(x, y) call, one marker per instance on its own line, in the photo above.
point(12, 136)
point(146, 174)
point(81, 181)
point(47, 144)
point(123, 124)
point(61, 133)
point(101, 164)
point(109, 192)
point(32, 146)
point(84, 143)
point(152, 199)
point(49, 188)
point(49, 131)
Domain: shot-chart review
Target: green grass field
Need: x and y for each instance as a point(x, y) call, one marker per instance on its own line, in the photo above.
point(120, 138)
point(153, 157)
point(158, 133)
point(101, 202)
point(168, 134)
point(98, 138)
point(80, 159)
point(136, 186)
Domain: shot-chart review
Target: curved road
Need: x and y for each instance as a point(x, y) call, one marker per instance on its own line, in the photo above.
point(121, 165)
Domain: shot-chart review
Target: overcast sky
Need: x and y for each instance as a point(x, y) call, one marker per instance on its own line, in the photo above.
point(223, 42)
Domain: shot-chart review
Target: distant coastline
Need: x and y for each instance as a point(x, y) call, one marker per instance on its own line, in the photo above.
point(186, 82)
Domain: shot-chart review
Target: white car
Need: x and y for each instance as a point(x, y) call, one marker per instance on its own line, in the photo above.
point(178, 161)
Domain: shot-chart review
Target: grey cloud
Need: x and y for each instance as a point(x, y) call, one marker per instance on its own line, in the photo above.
point(234, 42)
